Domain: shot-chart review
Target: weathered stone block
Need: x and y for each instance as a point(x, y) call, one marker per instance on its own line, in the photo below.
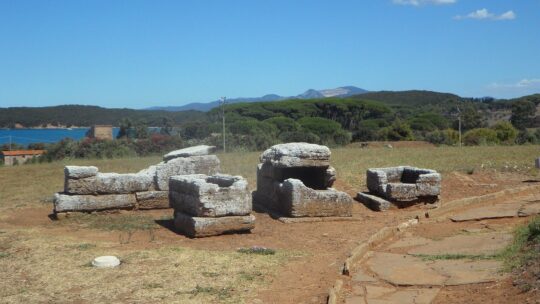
point(297, 200)
point(214, 196)
point(373, 202)
point(109, 183)
point(63, 202)
point(191, 151)
point(207, 165)
point(209, 226)
point(152, 200)
point(401, 191)
point(75, 172)
point(297, 155)
point(403, 183)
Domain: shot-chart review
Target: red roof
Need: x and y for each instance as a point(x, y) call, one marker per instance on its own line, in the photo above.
point(23, 152)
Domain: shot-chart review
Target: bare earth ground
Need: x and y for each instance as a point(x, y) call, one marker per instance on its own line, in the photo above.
point(46, 261)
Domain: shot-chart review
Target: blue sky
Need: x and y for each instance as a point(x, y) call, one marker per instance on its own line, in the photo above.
point(155, 53)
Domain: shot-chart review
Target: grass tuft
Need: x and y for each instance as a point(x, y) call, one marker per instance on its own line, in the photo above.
point(257, 250)
point(4, 254)
point(525, 246)
point(220, 293)
point(450, 256)
point(83, 246)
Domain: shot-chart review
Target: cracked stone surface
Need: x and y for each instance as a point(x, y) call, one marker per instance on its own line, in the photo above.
point(473, 244)
point(409, 242)
point(414, 267)
point(488, 212)
point(404, 270)
point(462, 272)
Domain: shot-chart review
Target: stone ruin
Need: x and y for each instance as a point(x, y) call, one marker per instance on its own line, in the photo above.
point(400, 186)
point(295, 180)
point(210, 205)
point(86, 189)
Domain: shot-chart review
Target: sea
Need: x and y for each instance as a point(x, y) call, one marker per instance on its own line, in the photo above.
point(29, 136)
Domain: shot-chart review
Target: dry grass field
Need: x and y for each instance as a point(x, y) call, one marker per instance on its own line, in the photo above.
point(48, 261)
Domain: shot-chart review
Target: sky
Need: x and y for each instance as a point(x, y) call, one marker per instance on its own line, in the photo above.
point(139, 54)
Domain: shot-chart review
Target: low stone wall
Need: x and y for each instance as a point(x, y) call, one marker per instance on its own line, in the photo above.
point(210, 205)
point(86, 189)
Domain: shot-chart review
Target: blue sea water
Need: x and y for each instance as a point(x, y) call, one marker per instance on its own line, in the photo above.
point(28, 136)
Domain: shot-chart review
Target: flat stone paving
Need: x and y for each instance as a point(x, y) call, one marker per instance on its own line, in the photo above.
point(413, 268)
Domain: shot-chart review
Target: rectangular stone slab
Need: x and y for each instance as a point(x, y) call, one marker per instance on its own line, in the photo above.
point(75, 172)
point(63, 202)
point(373, 202)
point(298, 200)
point(208, 165)
point(209, 226)
point(109, 183)
point(152, 200)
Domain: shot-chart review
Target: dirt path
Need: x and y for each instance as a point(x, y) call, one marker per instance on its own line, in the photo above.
point(456, 260)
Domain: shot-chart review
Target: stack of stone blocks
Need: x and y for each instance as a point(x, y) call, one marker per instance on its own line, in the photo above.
point(86, 189)
point(392, 186)
point(295, 180)
point(210, 205)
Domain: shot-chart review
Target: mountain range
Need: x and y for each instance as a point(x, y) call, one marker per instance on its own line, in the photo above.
point(309, 94)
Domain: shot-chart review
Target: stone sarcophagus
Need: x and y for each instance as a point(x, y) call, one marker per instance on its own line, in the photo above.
point(210, 205)
point(86, 189)
point(296, 179)
point(395, 185)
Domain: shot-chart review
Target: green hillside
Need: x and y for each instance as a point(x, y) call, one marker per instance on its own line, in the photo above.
point(78, 115)
point(411, 98)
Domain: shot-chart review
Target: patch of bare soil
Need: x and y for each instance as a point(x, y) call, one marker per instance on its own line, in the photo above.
point(502, 292)
point(322, 246)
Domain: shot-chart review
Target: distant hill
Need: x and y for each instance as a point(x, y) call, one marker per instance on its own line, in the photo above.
point(410, 98)
point(345, 91)
point(79, 115)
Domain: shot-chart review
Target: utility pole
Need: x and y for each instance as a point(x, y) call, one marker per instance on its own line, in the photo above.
point(222, 102)
point(10, 143)
point(459, 124)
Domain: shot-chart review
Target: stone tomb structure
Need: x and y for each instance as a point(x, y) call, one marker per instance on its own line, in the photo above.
point(86, 189)
point(295, 180)
point(210, 205)
point(400, 187)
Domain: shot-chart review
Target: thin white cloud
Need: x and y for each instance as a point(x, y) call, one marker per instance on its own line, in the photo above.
point(485, 14)
point(522, 87)
point(523, 83)
point(423, 2)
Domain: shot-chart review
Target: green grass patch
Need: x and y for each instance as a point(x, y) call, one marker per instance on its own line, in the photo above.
point(257, 250)
point(525, 246)
point(458, 256)
point(83, 246)
point(4, 254)
point(220, 293)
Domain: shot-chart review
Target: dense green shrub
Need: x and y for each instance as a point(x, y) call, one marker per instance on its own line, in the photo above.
point(299, 137)
point(428, 122)
point(399, 130)
point(448, 137)
point(283, 124)
point(480, 136)
point(328, 131)
point(506, 133)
